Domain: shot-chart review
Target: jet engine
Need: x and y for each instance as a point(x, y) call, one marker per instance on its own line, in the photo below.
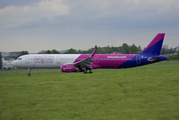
point(69, 68)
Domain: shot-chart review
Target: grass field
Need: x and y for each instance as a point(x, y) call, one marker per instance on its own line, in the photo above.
point(148, 92)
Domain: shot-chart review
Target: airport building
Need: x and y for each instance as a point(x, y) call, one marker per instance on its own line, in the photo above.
point(7, 58)
point(10, 55)
point(177, 48)
point(6, 64)
point(165, 46)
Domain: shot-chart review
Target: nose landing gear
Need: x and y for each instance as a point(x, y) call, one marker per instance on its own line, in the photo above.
point(29, 72)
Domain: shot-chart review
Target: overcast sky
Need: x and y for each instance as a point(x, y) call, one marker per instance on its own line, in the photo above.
point(36, 25)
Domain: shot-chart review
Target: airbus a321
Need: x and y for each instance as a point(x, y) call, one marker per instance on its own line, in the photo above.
point(87, 62)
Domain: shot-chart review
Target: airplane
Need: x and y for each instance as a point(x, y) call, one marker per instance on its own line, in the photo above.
point(85, 62)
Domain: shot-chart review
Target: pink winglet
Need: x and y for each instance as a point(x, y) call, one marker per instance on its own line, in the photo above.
point(93, 53)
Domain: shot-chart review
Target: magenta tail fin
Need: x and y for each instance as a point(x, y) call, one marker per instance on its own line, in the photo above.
point(155, 45)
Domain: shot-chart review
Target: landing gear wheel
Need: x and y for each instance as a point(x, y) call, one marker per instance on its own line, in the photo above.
point(28, 74)
point(90, 71)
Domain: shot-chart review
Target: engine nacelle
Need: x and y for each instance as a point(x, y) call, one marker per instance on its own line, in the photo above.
point(69, 68)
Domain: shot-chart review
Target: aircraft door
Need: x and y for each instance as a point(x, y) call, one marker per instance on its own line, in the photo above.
point(27, 60)
point(58, 60)
point(96, 59)
point(138, 59)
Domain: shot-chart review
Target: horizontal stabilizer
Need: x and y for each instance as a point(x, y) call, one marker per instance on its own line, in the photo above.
point(151, 59)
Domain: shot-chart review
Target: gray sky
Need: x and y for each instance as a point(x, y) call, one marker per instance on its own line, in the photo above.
point(36, 25)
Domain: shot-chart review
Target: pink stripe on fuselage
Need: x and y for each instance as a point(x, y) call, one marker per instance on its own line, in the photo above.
point(106, 60)
point(159, 37)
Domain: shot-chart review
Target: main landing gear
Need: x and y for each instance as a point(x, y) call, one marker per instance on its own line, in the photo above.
point(85, 71)
point(90, 71)
point(29, 72)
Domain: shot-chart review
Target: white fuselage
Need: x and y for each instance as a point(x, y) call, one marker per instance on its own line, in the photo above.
point(45, 60)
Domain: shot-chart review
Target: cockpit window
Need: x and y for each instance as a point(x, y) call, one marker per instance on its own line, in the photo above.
point(19, 59)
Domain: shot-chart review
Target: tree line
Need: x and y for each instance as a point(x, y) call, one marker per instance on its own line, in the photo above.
point(124, 49)
point(0, 61)
point(168, 51)
point(45, 52)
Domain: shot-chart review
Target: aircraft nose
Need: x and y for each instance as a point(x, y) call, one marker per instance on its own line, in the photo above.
point(14, 63)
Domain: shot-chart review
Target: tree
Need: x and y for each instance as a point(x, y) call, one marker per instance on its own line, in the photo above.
point(0, 61)
point(139, 49)
point(125, 49)
point(23, 53)
point(163, 51)
point(119, 49)
point(173, 57)
point(48, 52)
point(71, 51)
point(133, 49)
point(167, 51)
point(55, 51)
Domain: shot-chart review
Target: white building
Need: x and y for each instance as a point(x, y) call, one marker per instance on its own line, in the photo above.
point(165, 46)
point(6, 64)
point(177, 48)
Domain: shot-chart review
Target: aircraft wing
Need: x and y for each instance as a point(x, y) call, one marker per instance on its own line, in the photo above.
point(86, 62)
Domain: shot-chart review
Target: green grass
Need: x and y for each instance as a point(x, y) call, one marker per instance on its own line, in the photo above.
point(148, 92)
